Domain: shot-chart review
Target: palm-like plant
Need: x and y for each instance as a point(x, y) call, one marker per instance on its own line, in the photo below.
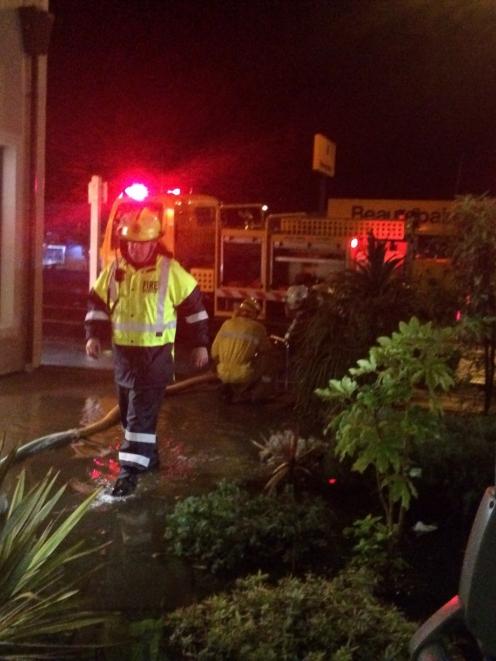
point(35, 599)
point(377, 292)
point(362, 304)
point(291, 458)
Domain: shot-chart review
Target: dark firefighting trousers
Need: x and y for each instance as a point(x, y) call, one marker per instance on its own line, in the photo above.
point(139, 409)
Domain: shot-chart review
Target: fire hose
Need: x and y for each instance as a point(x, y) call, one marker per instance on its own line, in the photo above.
point(109, 420)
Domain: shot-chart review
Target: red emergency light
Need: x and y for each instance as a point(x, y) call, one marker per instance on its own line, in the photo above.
point(354, 243)
point(138, 192)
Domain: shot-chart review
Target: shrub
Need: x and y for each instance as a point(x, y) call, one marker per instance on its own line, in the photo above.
point(474, 270)
point(230, 530)
point(314, 619)
point(374, 550)
point(380, 421)
point(371, 541)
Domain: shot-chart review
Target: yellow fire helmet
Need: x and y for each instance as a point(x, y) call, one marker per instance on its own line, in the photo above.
point(250, 307)
point(140, 225)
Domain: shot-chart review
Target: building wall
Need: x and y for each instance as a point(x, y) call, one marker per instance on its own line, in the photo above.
point(21, 214)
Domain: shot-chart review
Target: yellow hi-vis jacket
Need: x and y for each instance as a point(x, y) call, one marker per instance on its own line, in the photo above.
point(141, 302)
point(235, 348)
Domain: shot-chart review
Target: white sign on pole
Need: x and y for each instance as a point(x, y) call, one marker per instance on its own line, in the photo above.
point(97, 194)
point(324, 155)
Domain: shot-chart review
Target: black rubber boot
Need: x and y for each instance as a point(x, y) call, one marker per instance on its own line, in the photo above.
point(125, 484)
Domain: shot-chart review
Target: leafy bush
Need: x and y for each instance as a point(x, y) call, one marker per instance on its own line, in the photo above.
point(314, 619)
point(380, 420)
point(436, 300)
point(138, 640)
point(474, 270)
point(374, 550)
point(228, 529)
point(371, 541)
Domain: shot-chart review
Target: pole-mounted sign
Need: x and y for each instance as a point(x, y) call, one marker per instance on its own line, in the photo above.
point(324, 155)
point(324, 161)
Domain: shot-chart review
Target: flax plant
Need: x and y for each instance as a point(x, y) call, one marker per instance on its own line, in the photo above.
point(37, 604)
point(291, 458)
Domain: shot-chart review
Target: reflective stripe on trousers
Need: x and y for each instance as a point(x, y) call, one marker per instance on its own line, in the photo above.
point(139, 409)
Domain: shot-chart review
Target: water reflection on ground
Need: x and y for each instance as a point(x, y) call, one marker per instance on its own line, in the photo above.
point(202, 440)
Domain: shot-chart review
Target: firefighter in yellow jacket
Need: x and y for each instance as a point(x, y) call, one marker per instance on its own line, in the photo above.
point(242, 353)
point(139, 295)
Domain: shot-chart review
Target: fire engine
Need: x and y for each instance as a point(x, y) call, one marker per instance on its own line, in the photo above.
point(428, 230)
point(190, 227)
point(263, 262)
point(240, 250)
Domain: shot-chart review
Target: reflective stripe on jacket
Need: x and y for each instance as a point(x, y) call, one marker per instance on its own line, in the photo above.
point(235, 347)
point(141, 302)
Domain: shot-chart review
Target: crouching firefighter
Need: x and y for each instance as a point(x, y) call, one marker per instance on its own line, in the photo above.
point(243, 354)
point(139, 295)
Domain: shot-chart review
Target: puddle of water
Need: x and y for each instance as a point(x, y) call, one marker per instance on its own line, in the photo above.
point(201, 441)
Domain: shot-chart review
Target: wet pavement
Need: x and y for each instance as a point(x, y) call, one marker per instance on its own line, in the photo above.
point(70, 352)
point(201, 441)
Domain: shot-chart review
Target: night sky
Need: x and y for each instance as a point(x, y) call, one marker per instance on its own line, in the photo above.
point(224, 97)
